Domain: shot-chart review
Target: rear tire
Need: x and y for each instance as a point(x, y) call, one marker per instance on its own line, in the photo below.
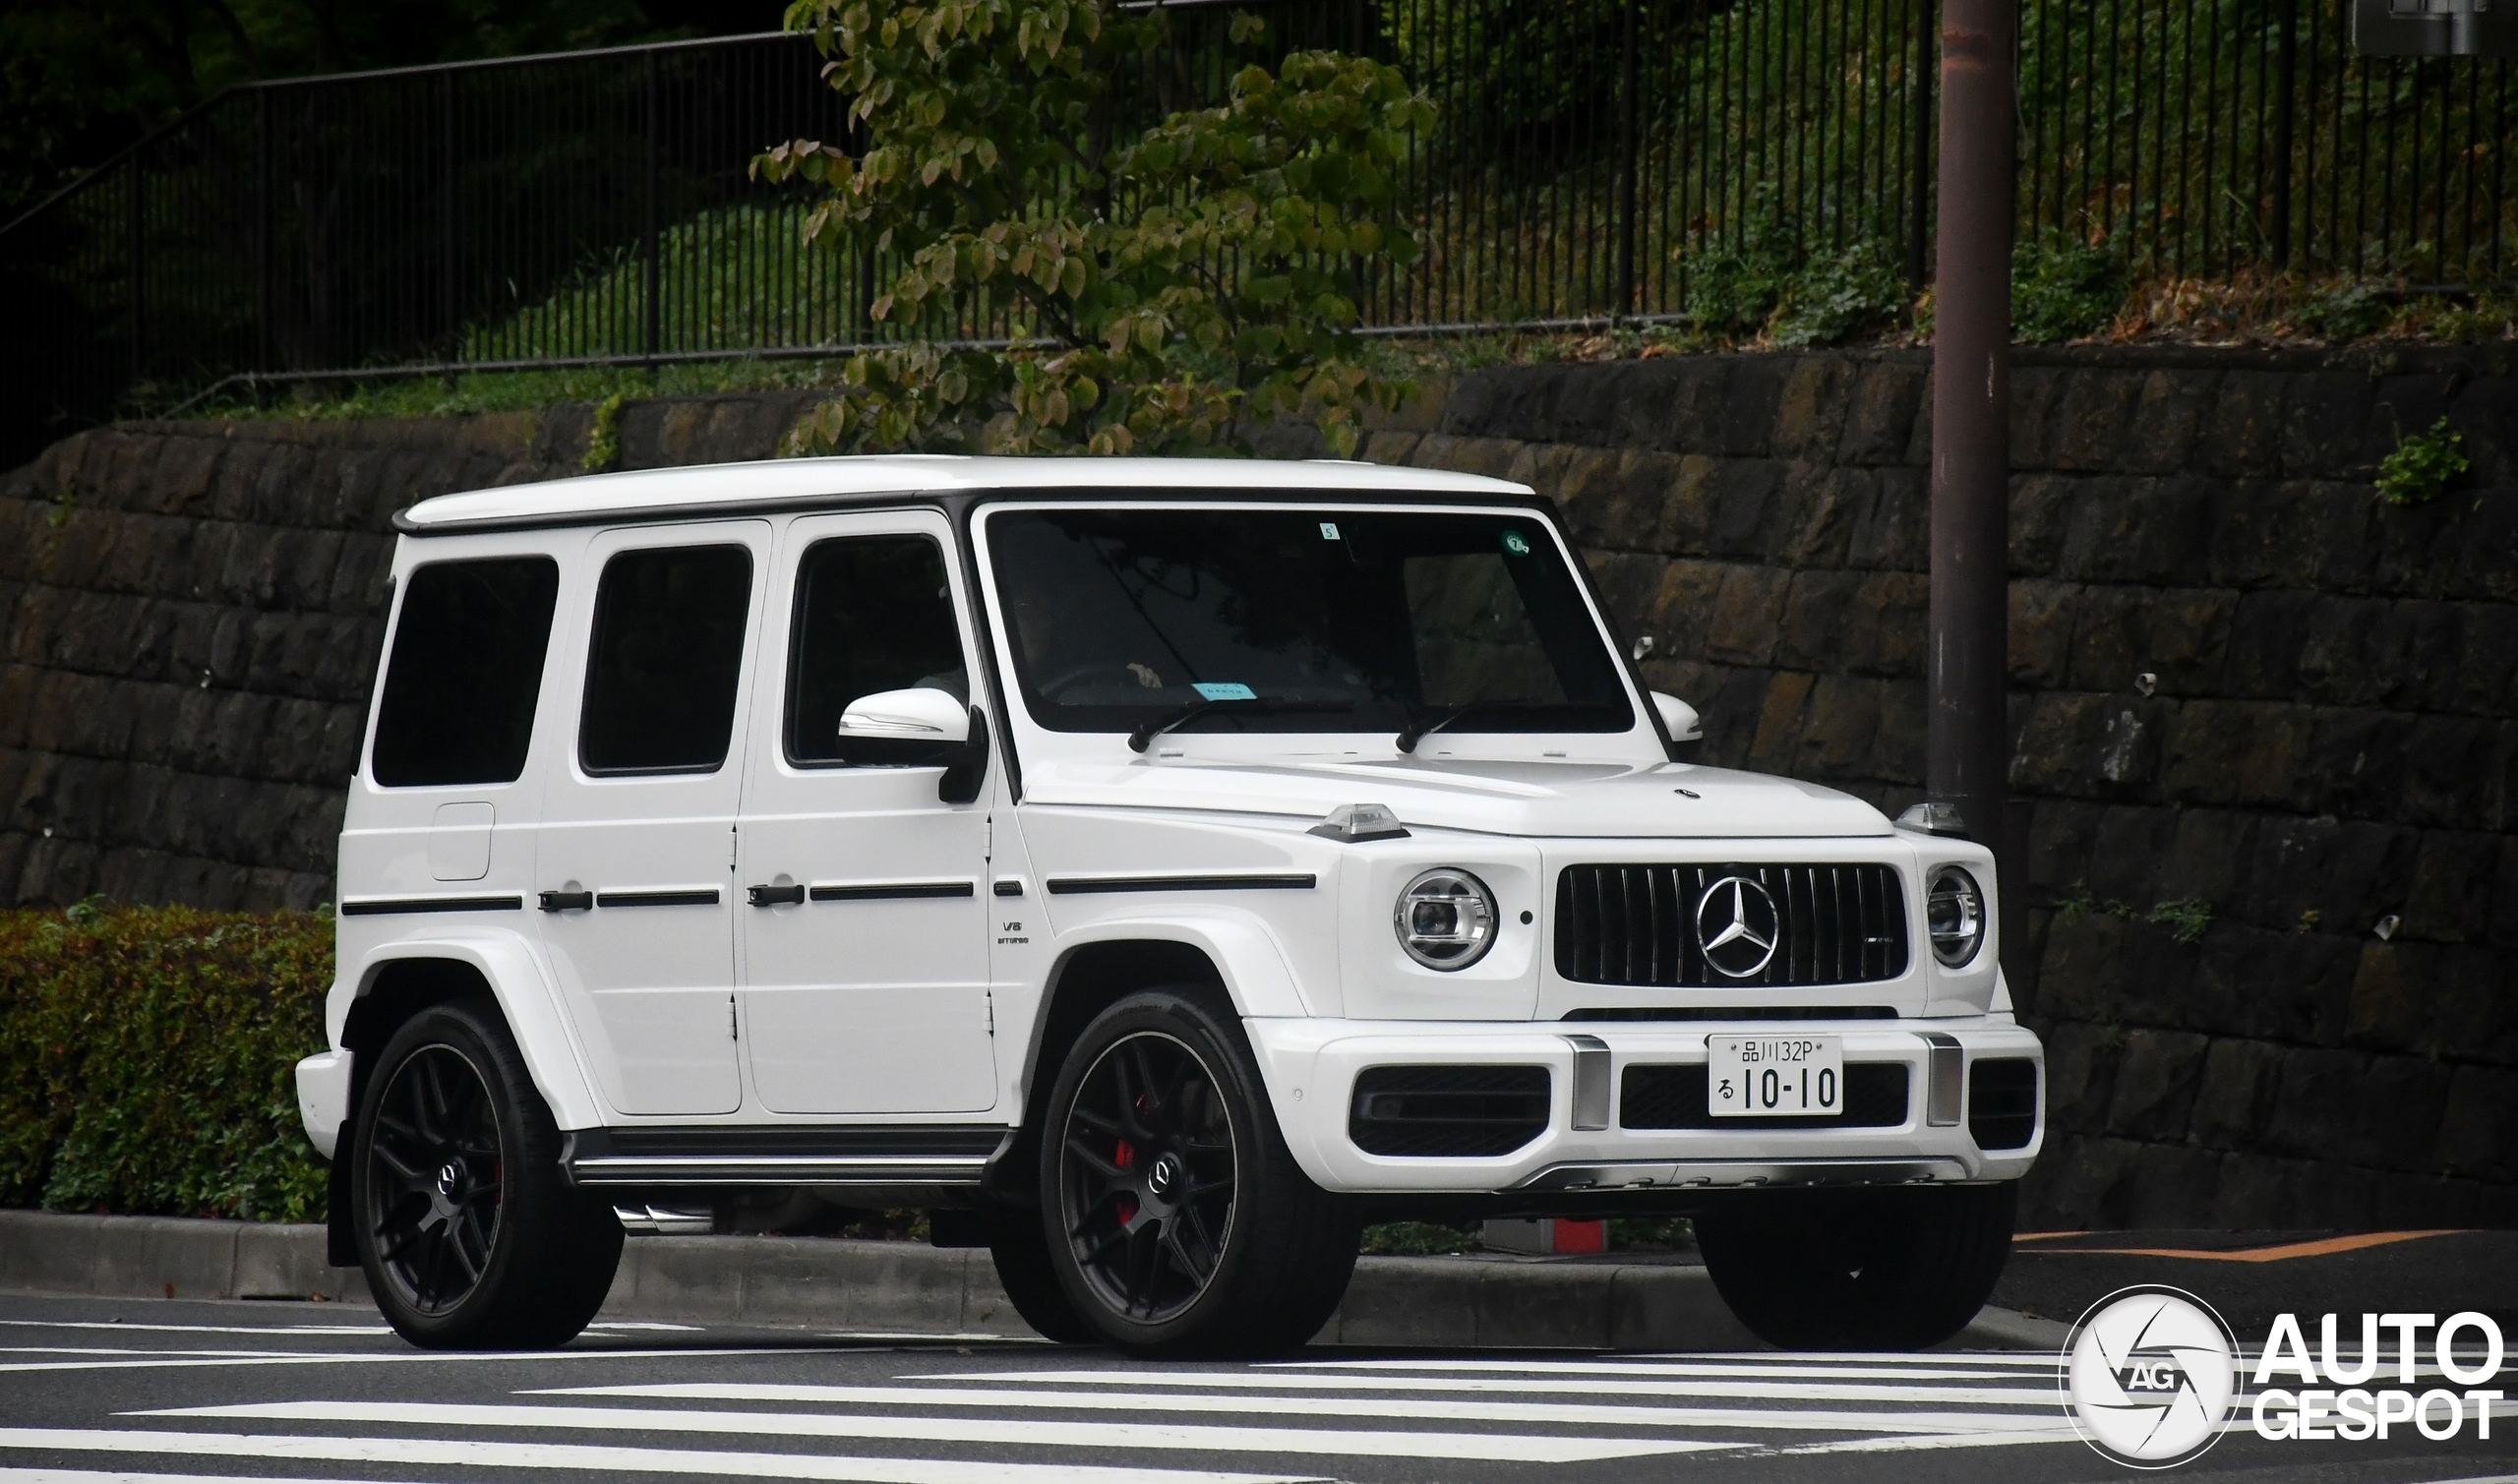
point(1898, 1269)
point(470, 1233)
point(1172, 1214)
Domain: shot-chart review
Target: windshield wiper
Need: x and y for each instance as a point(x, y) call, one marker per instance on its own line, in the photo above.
point(1421, 728)
point(1145, 733)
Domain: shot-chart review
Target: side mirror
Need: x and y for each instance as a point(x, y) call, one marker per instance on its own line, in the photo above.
point(1679, 718)
point(921, 715)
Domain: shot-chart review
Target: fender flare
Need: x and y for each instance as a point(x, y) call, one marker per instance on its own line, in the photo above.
point(524, 995)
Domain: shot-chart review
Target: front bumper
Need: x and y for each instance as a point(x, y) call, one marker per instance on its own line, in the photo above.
point(1311, 1067)
point(323, 1099)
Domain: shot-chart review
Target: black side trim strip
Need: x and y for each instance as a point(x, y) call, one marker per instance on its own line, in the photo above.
point(1736, 1013)
point(708, 898)
point(376, 907)
point(839, 1141)
point(1079, 885)
point(889, 891)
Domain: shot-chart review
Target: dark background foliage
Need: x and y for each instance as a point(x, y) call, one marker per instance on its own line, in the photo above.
point(146, 1056)
point(80, 78)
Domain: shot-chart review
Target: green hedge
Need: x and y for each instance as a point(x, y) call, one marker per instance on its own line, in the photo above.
point(146, 1059)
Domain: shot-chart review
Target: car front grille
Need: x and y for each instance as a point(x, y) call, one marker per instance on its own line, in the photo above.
point(1637, 924)
point(1673, 1097)
point(1448, 1112)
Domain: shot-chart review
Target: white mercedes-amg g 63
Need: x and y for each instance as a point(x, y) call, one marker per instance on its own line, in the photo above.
point(1154, 869)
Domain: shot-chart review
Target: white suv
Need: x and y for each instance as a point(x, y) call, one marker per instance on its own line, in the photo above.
point(1152, 868)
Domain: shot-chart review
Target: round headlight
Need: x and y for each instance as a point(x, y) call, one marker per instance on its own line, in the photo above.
point(1954, 916)
point(1446, 918)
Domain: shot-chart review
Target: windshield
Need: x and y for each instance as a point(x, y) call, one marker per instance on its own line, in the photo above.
point(1317, 619)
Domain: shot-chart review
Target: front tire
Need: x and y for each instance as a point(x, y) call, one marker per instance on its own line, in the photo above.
point(468, 1230)
point(1175, 1216)
point(1899, 1269)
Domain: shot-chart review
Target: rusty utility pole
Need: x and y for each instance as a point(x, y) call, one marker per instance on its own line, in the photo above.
point(1967, 753)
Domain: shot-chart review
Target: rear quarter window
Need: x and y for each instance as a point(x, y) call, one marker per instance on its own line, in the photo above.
point(465, 672)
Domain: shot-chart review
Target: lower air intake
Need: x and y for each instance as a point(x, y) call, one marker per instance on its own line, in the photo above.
point(1448, 1112)
point(2002, 1102)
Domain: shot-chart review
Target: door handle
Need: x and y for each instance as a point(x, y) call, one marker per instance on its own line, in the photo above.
point(775, 896)
point(566, 901)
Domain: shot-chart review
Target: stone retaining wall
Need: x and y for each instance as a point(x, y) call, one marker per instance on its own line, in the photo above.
point(2251, 701)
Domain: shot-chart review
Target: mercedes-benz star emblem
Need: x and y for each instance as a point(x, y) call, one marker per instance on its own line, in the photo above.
point(1735, 926)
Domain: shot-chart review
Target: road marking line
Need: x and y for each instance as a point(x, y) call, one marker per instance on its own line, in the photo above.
point(400, 1357)
point(2042, 1394)
point(451, 1453)
point(98, 1323)
point(1942, 1441)
point(122, 1477)
point(1023, 1431)
point(1480, 1410)
point(2044, 1372)
point(2328, 1247)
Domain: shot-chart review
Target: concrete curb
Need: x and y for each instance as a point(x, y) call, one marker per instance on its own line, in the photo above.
point(1452, 1302)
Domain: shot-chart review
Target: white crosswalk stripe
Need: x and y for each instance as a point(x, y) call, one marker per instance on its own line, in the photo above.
point(1093, 1420)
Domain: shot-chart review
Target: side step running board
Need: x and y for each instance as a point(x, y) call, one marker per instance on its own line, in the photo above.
point(879, 1154)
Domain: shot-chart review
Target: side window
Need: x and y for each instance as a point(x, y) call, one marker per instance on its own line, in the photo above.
point(872, 613)
point(466, 671)
point(665, 660)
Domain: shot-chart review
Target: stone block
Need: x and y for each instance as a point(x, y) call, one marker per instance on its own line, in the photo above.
point(2042, 514)
point(1810, 411)
point(2061, 841)
point(2451, 772)
point(2093, 419)
point(2168, 1184)
point(2479, 1128)
point(2233, 1097)
point(2242, 426)
point(2350, 875)
point(2086, 746)
point(1747, 616)
point(2440, 1000)
point(1879, 414)
point(2327, 426)
point(1745, 507)
point(2155, 1081)
point(2042, 616)
point(2454, 874)
point(2155, 531)
point(1825, 508)
point(2132, 842)
point(1897, 535)
point(1839, 726)
point(2090, 1184)
point(2279, 985)
point(1781, 712)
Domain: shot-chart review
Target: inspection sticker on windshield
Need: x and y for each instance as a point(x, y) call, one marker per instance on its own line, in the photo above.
point(1517, 543)
point(1774, 1075)
point(1329, 530)
point(1224, 690)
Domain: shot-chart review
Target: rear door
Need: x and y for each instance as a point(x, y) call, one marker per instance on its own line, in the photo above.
point(865, 959)
point(636, 871)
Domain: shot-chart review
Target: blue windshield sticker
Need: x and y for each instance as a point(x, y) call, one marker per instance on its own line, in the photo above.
point(1224, 690)
point(1516, 544)
point(1329, 530)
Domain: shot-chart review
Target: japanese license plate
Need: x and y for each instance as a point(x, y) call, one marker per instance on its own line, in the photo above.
point(1774, 1075)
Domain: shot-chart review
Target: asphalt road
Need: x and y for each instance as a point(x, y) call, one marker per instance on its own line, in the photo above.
point(133, 1389)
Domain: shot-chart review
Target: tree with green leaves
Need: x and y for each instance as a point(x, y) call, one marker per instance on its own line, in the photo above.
point(1174, 276)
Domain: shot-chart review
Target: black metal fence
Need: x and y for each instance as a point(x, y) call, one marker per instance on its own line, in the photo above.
point(593, 207)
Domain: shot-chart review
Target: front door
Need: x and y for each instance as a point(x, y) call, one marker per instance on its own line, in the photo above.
point(866, 958)
point(635, 871)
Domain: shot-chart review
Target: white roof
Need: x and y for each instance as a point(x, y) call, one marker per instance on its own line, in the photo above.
point(809, 481)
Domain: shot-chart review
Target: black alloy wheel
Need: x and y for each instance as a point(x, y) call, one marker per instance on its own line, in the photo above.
point(1148, 1176)
point(1175, 1219)
point(434, 1179)
point(468, 1229)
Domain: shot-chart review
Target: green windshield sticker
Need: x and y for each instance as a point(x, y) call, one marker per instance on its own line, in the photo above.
point(1516, 544)
point(1224, 690)
point(1329, 530)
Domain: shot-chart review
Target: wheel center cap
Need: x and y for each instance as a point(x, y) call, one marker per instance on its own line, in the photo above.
point(449, 1176)
point(1164, 1177)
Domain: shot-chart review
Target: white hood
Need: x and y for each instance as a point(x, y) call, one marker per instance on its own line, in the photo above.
point(1528, 800)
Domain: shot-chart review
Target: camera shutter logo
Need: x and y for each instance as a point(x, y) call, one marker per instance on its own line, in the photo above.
point(1737, 927)
point(2149, 1376)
